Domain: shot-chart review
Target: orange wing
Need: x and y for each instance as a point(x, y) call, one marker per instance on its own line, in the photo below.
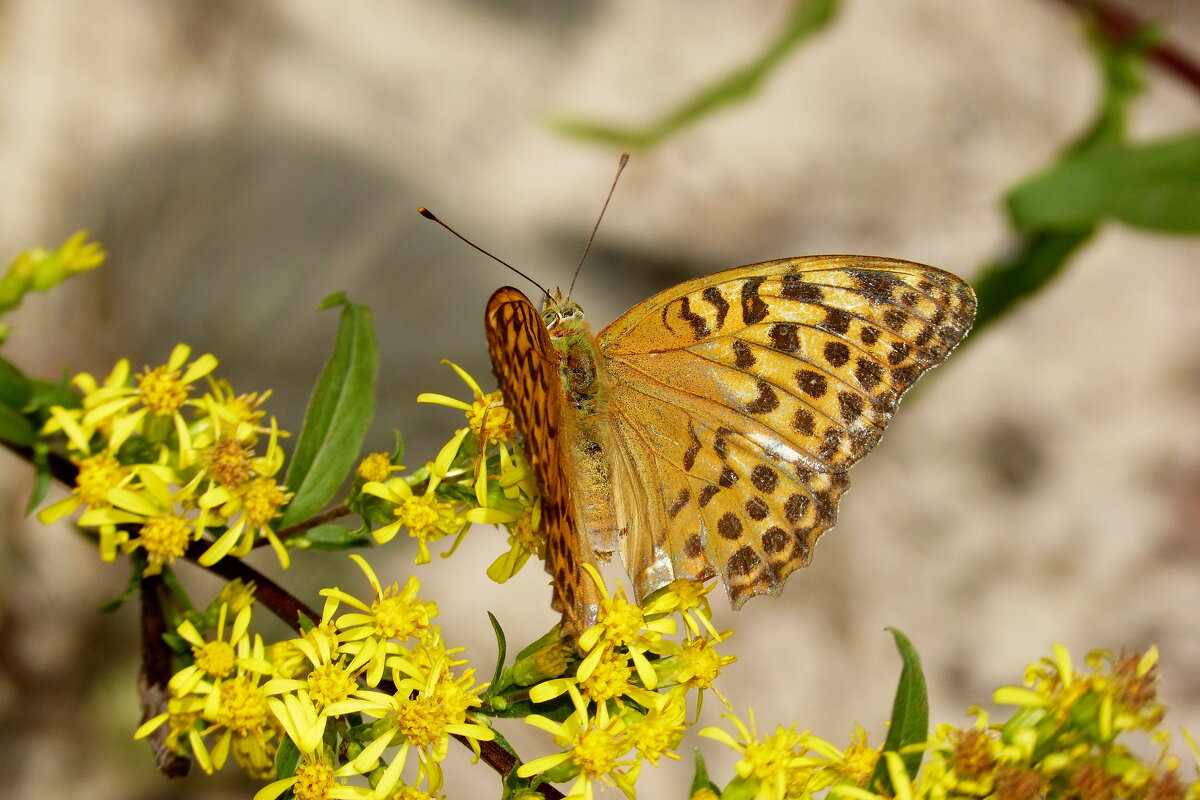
point(526, 367)
point(738, 401)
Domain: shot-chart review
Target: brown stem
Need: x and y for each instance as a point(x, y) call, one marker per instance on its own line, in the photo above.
point(155, 673)
point(503, 762)
point(61, 467)
point(274, 597)
point(1118, 25)
point(320, 519)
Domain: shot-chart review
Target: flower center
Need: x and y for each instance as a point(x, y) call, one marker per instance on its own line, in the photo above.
point(419, 514)
point(394, 618)
point(705, 663)
point(215, 658)
point(97, 475)
point(596, 751)
point(422, 720)
point(261, 502)
point(313, 781)
point(243, 708)
point(489, 417)
point(610, 679)
point(329, 684)
point(375, 467)
point(621, 619)
point(161, 390)
point(165, 538)
point(231, 463)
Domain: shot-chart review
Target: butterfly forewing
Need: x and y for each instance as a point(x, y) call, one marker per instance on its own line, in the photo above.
point(527, 369)
point(741, 398)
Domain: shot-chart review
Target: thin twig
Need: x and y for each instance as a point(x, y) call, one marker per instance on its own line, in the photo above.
point(1118, 25)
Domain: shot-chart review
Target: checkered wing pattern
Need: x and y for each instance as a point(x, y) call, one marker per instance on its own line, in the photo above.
point(736, 403)
point(527, 369)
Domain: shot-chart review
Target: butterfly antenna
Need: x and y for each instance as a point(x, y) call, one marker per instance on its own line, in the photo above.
point(427, 214)
point(588, 246)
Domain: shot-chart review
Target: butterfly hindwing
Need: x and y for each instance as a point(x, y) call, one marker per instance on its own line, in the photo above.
point(740, 399)
point(527, 370)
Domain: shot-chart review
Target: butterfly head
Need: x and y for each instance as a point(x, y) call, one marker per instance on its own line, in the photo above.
point(563, 317)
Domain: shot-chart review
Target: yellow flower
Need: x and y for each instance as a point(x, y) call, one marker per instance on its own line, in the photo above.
point(376, 467)
point(426, 518)
point(524, 538)
point(316, 779)
point(422, 713)
point(393, 617)
point(153, 405)
point(302, 706)
point(165, 532)
point(233, 706)
point(39, 269)
point(660, 730)
point(254, 504)
point(694, 664)
point(487, 416)
point(98, 474)
point(622, 624)
point(217, 659)
point(230, 416)
point(772, 766)
point(594, 750)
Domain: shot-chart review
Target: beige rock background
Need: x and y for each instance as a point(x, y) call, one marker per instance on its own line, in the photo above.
point(243, 160)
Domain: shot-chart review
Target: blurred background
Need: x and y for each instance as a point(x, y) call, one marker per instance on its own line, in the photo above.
point(241, 161)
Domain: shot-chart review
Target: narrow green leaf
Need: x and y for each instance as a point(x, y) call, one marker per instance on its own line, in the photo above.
point(15, 428)
point(287, 757)
point(501, 647)
point(700, 779)
point(330, 537)
point(337, 418)
point(910, 716)
point(1154, 186)
point(808, 17)
point(44, 394)
point(42, 476)
point(14, 386)
point(1035, 260)
point(131, 588)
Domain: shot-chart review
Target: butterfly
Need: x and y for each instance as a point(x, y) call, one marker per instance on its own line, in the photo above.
point(708, 430)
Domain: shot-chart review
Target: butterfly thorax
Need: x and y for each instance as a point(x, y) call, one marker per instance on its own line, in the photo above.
point(585, 425)
point(577, 352)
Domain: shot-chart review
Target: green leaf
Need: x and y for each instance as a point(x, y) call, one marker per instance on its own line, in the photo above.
point(398, 451)
point(1035, 260)
point(337, 418)
point(131, 588)
point(14, 386)
point(42, 476)
point(1040, 255)
point(330, 537)
point(287, 757)
point(44, 394)
point(15, 428)
point(910, 716)
point(808, 17)
point(700, 779)
point(501, 647)
point(1154, 186)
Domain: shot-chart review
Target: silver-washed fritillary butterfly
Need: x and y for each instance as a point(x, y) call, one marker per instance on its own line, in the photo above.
point(708, 431)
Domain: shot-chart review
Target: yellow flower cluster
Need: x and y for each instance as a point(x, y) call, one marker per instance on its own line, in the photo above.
point(160, 468)
point(1063, 741)
point(625, 684)
point(616, 698)
point(381, 658)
